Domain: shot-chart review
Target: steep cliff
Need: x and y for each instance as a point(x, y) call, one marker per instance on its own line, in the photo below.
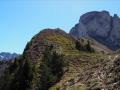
point(100, 26)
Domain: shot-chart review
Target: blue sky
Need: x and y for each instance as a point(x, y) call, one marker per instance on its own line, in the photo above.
point(21, 19)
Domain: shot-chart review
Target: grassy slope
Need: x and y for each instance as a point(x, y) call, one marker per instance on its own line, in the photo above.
point(81, 67)
point(65, 43)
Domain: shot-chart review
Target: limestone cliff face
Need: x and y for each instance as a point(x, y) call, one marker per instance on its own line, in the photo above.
point(81, 32)
point(100, 26)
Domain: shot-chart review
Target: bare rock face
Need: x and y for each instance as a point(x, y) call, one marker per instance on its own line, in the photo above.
point(115, 32)
point(81, 32)
point(100, 26)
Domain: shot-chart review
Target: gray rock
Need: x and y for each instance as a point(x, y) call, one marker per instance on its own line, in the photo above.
point(100, 26)
point(81, 32)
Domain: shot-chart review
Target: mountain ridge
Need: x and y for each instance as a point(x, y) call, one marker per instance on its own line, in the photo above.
point(8, 56)
point(56, 60)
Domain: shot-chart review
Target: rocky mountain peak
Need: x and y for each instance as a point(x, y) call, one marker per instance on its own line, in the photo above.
point(101, 26)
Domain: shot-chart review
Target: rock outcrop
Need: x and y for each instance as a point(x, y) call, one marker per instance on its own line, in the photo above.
point(101, 26)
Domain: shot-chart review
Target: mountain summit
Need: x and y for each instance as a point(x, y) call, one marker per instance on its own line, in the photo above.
point(100, 26)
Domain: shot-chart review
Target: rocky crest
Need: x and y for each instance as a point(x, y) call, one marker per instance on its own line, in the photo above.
point(47, 37)
point(101, 26)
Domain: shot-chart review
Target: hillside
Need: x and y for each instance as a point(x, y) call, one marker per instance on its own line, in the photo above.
point(28, 67)
point(54, 60)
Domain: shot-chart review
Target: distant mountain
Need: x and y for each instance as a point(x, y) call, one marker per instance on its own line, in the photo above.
point(100, 26)
point(7, 56)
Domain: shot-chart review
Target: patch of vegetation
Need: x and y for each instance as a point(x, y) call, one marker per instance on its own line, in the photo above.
point(51, 69)
point(18, 75)
point(9, 74)
point(66, 43)
point(84, 47)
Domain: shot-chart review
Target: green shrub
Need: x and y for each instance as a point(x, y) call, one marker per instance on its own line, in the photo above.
point(84, 47)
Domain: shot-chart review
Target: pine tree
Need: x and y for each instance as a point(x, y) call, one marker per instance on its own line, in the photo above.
point(23, 77)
